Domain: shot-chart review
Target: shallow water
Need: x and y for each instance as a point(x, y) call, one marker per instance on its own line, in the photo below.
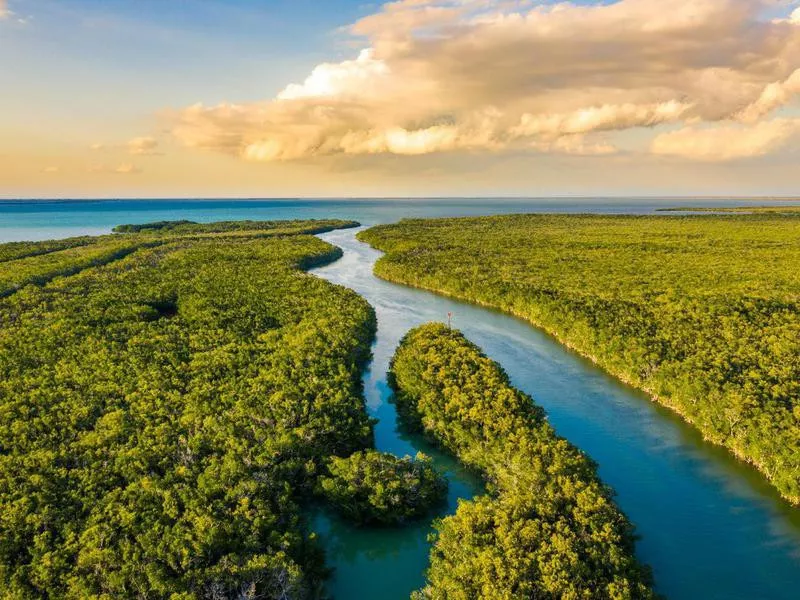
point(711, 527)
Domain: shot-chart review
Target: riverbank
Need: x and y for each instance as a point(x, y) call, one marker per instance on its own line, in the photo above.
point(699, 312)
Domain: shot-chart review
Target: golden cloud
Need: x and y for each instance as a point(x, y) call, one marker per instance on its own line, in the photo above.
point(139, 146)
point(727, 142)
point(121, 169)
point(491, 76)
point(143, 146)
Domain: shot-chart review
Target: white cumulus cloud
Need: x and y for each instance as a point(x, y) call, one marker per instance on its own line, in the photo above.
point(347, 78)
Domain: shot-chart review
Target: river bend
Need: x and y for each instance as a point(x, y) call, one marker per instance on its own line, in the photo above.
point(710, 527)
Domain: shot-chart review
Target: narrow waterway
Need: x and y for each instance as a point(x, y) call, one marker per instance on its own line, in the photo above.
point(710, 527)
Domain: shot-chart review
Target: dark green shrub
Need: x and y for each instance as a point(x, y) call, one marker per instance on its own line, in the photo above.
point(372, 487)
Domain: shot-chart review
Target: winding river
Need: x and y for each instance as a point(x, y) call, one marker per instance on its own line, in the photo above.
point(710, 527)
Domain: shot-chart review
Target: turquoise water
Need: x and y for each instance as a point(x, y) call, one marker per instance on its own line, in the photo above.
point(711, 527)
point(39, 220)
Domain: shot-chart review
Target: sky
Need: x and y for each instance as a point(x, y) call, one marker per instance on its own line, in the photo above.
point(342, 98)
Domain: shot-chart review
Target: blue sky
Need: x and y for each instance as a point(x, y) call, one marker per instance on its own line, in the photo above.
point(208, 49)
point(188, 51)
point(447, 87)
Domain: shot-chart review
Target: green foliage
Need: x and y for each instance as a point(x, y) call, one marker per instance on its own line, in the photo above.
point(15, 250)
point(154, 226)
point(550, 528)
point(42, 267)
point(164, 415)
point(26, 263)
point(702, 312)
point(372, 487)
point(173, 228)
point(787, 209)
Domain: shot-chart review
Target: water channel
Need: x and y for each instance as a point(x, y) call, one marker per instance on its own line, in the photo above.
point(710, 526)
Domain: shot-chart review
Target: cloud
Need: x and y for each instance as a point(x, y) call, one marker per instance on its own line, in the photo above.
point(127, 169)
point(600, 118)
point(143, 146)
point(6, 14)
point(121, 169)
point(345, 78)
point(139, 146)
point(774, 96)
point(727, 142)
point(448, 76)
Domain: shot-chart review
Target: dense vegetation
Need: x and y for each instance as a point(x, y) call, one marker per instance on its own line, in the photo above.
point(787, 209)
point(49, 259)
point(165, 411)
point(372, 487)
point(703, 312)
point(15, 250)
point(153, 226)
point(41, 268)
point(249, 228)
point(549, 528)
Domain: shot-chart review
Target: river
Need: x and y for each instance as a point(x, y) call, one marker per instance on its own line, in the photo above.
point(710, 526)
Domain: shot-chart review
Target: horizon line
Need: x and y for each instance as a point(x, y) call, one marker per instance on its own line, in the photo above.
point(748, 197)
